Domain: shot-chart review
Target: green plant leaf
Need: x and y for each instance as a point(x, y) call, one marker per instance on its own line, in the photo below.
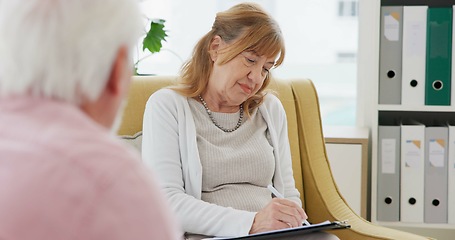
point(155, 36)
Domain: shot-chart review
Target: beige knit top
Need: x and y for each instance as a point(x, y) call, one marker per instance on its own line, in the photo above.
point(237, 166)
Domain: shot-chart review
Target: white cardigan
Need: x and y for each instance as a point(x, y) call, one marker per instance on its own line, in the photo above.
point(169, 148)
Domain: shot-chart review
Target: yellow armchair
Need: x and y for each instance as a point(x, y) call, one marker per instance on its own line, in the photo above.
point(320, 196)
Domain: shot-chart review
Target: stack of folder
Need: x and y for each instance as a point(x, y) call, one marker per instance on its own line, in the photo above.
point(415, 67)
point(416, 173)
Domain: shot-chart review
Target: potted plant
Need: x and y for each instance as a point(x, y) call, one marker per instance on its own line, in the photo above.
point(153, 39)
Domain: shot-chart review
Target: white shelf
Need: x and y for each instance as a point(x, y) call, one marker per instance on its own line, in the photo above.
point(418, 225)
point(383, 107)
point(437, 231)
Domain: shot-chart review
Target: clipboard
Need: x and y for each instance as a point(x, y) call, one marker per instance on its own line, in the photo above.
point(288, 232)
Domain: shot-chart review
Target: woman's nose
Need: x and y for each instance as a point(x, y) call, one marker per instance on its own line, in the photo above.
point(256, 75)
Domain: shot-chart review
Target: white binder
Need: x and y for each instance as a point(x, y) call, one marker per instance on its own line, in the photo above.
point(412, 173)
point(451, 175)
point(414, 51)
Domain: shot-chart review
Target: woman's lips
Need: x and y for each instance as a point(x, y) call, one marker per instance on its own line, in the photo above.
point(245, 88)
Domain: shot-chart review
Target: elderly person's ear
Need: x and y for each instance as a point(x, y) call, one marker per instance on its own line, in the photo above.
point(215, 45)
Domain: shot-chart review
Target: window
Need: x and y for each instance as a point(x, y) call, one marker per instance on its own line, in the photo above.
point(347, 8)
point(319, 46)
point(346, 57)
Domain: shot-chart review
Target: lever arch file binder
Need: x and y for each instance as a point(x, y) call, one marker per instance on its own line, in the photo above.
point(438, 56)
point(390, 55)
point(451, 174)
point(452, 90)
point(388, 194)
point(436, 174)
point(412, 172)
point(414, 51)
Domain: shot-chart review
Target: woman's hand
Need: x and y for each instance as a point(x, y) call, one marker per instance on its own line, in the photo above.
point(278, 214)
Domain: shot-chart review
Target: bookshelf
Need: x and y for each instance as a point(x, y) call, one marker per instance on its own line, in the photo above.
point(371, 113)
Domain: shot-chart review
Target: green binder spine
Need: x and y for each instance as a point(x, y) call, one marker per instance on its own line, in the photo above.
point(439, 56)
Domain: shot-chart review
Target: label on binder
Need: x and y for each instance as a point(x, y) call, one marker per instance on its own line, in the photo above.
point(436, 152)
point(392, 26)
point(412, 153)
point(388, 155)
point(415, 44)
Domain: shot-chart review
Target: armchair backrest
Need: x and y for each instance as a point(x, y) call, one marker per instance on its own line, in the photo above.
point(141, 88)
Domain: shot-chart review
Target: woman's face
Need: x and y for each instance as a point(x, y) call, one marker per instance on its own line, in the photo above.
point(232, 83)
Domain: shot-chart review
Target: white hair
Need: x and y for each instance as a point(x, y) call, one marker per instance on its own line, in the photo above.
point(63, 49)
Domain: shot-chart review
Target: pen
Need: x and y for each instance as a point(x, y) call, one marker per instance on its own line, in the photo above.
point(278, 195)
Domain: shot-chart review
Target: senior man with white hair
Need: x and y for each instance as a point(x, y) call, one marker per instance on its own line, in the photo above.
point(65, 68)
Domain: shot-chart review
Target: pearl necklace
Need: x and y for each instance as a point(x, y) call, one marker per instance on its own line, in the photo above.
point(239, 123)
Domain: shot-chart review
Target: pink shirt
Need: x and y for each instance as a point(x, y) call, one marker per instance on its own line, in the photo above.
point(62, 176)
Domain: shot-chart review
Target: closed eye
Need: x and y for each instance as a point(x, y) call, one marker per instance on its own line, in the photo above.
point(251, 61)
point(267, 67)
